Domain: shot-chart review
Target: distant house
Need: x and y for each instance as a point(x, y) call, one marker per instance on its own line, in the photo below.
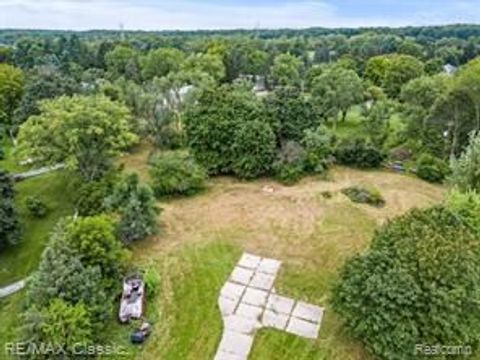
point(449, 69)
point(259, 81)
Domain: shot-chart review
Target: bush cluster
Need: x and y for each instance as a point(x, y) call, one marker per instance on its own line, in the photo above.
point(431, 168)
point(36, 207)
point(363, 195)
point(359, 153)
point(176, 173)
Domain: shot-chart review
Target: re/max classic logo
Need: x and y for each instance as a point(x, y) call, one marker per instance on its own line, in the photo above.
point(50, 349)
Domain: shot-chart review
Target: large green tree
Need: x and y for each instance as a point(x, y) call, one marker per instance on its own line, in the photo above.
point(211, 124)
point(335, 91)
point(254, 147)
point(286, 70)
point(469, 79)
point(9, 219)
point(160, 62)
point(291, 113)
point(416, 284)
point(393, 71)
point(85, 132)
point(11, 91)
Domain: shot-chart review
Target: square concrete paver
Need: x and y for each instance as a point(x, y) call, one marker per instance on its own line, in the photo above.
point(241, 275)
point(235, 343)
point(269, 266)
point(232, 291)
point(255, 297)
point(249, 311)
point(303, 328)
point(274, 320)
point(241, 325)
point(308, 312)
point(227, 306)
point(280, 304)
point(249, 261)
point(262, 281)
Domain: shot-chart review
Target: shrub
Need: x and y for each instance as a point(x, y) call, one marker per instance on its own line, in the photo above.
point(36, 207)
point(327, 194)
point(357, 152)
point(465, 174)
point(364, 196)
point(90, 196)
point(176, 173)
point(417, 284)
point(431, 168)
point(59, 324)
point(135, 204)
point(318, 145)
point(61, 274)
point(152, 280)
point(94, 239)
point(2, 154)
point(467, 206)
point(254, 149)
point(400, 153)
point(289, 166)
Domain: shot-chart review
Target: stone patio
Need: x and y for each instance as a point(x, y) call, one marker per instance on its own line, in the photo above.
point(248, 302)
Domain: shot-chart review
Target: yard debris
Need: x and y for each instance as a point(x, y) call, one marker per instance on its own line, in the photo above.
point(132, 303)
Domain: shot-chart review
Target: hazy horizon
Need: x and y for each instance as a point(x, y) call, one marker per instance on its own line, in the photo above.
point(151, 15)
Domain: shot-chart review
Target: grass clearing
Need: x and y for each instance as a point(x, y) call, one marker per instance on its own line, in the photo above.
point(18, 261)
point(203, 236)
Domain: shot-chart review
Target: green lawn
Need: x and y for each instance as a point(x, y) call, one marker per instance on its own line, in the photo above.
point(21, 259)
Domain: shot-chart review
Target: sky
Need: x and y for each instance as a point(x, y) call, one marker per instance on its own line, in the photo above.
point(228, 14)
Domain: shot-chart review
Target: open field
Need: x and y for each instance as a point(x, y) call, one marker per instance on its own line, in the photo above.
point(203, 237)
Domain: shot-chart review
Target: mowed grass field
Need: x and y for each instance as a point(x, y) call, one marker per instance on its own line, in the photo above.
point(203, 237)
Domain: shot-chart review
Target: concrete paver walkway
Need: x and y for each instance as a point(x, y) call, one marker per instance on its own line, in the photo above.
point(248, 301)
point(12, 289)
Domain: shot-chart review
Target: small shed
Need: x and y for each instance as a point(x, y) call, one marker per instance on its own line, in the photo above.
point(133, 296)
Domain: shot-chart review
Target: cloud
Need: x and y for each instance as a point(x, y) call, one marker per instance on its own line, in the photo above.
point(226, 14)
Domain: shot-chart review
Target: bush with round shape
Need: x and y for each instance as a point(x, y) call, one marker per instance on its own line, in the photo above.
point(363, 195)
point(359, 153)
point(416, 284)
point(254, 149)
point(431, 168)
point(289, 167)
point(36, 207)
point(176, 173)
